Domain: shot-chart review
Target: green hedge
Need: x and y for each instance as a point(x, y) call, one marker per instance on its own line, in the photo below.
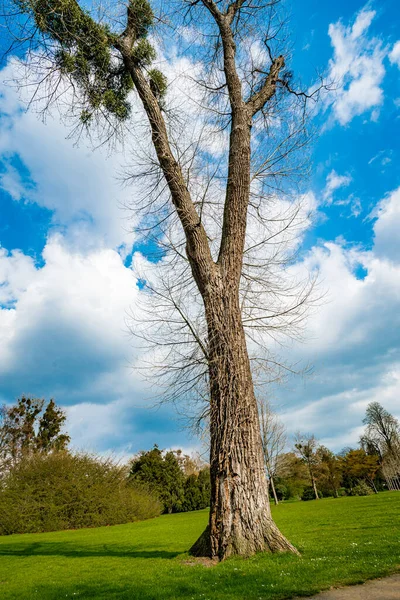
point(66, 491)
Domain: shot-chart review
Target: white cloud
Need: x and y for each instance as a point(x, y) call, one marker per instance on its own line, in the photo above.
point(357, 68)
point(16, 272)
point(387, 227)
point(382, 158)
point(68, 312)
point(333, 183)
point(394, 54)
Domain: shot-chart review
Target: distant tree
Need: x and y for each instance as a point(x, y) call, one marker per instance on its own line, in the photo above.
point(359, 466)
point(381, 480)
point(382, 428)
point(306, 449)
point(204, 485)
point(49, 435)
point(291, 476)
point(274, 440)
point(174, 478)
point(162, 473)
point(382, 437)
point(193, 497)
point(190, 464)
point(30, 426)
point(329, 465)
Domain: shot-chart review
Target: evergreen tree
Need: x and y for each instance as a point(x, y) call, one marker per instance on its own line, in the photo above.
point(50, 436)
point(163, 474)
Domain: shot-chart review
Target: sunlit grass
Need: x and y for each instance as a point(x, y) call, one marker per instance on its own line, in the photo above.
point(342, 541)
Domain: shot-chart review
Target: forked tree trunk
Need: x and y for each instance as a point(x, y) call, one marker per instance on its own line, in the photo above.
point(240, 519)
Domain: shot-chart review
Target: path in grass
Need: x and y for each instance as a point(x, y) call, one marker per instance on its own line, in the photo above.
point(380, 589)
point(342, 541)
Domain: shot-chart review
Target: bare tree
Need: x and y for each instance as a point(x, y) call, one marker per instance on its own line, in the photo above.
point(382, 428)
point(224, 222)
point(274, 440)
point(306, 448)
point(382, 437)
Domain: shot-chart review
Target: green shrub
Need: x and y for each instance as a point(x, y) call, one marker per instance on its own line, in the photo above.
point(361, 489)
point(65, 491)
point(309, 494)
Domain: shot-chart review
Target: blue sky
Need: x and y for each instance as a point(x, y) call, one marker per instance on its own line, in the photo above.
point(66, 284)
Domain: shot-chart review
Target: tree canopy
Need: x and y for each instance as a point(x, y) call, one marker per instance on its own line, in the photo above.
point(31, 426)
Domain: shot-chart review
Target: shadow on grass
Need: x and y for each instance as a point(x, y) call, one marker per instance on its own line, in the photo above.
point(72, 550)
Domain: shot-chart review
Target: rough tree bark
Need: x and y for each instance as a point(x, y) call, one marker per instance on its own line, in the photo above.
point(240, 520)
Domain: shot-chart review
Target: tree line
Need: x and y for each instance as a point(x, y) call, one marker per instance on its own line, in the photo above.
point(311, 470)
point(46, 486)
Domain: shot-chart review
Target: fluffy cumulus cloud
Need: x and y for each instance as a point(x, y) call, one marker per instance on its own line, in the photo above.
point(65, 321)
point(357, 68)
point(353, 339)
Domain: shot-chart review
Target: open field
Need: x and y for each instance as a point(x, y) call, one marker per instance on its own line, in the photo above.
point(342, 541)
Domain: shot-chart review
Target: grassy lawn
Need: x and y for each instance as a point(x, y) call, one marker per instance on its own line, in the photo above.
point(342, 541)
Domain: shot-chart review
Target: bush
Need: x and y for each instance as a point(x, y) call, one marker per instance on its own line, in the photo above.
point(64, 491)
point(361, 489)
point(309, 494)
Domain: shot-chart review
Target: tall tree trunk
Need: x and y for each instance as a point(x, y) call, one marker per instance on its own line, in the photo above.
point(314, 485)
point(273, 490)
point(240, 519)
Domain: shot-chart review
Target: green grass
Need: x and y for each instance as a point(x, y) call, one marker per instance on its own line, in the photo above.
point(343, 541)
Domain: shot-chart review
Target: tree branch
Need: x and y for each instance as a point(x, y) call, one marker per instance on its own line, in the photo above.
point(197, 246)
point(259, 99)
